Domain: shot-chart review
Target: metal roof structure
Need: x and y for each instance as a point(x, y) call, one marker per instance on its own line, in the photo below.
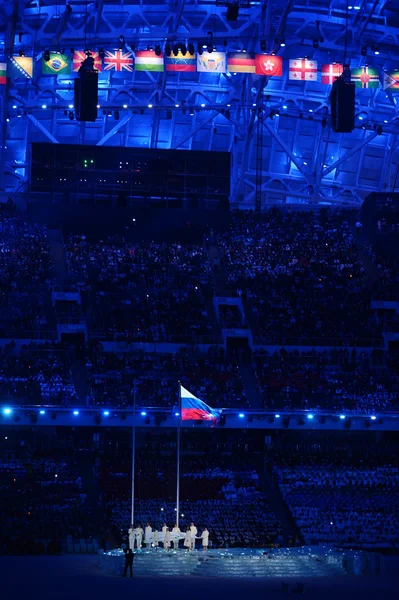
point(278, 131)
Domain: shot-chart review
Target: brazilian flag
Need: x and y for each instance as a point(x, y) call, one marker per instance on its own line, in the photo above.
point(59, 64)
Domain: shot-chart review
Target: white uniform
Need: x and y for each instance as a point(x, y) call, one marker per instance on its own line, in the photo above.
point(193, 533)
point(147, 536)
point(177, 532)
point(205, 539)
point(187, 540)
point(156, 539)
point(166, 543)
point(131, 538)
point(139, 537)
point(163, 534)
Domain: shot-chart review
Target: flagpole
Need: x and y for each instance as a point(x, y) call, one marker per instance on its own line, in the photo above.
point(178, 458)
point(133, 449)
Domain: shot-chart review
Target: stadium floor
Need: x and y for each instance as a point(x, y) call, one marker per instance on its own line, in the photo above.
point(79, 577)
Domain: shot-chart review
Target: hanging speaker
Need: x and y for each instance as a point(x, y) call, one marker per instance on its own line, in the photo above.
point(342, 100)
point(86, 91)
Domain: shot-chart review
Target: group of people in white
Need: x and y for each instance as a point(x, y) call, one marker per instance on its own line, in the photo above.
point(167, 537)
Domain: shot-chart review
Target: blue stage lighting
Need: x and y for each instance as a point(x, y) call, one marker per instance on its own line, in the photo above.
point(241, 415)
point(310, 416)
point(143, 413)
point(342, 416)
point(277, 416)
point(42, 412)
point(106, 413)
point(76, 412)
point(373, 417)
point(7, 411)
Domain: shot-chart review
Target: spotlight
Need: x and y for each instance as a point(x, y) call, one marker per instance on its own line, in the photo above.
point(263, 45)
point(168, 49)
point(44, 106)
point(106, 413)
point(373, 417)
point(183, 49)
point(191, 112)
point(342, 417)
point(199, 48)
point(71, 115)
point(76, 412)
point(315, 44)
point(241, 415)
point(150, 106)
point(282, 43)
point(42, 412)
point(7, 411)
point(310, 417)
point(158, 50)
point(276, 416)
point(143, 413)
point(116, 115)
point(121, 40)
point(101, 52)
point(191, 48)
point(175, 49)
point(209, 48)
point(21, 53)
point(176, 414)
point(46, 55)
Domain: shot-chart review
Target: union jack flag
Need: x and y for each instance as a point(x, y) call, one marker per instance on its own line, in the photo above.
point(118, 60)
point(79, 56)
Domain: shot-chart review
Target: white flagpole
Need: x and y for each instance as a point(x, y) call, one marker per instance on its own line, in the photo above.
point(178, 460)
point(133, 449)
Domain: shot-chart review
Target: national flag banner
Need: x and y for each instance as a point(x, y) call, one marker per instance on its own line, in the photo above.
point(391, 81)
point(80, 55)
point(194, 409)
point(241, 62)
point(180, 63)
point(269, 64)
point(20, 67)
point(59, 64)
point(147, 60)
point(118, 60)
point(3, 73)
point(211, 62)
point(365, 77)
point(302, 69)
point(331, 72)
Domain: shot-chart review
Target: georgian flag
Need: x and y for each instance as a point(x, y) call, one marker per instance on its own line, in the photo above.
point(302, 69)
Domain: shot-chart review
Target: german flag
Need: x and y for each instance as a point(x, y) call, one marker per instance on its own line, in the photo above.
point(241, 62)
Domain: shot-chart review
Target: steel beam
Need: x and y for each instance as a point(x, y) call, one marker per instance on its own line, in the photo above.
point(42, 128)
point(114, 130)
point(349, 154)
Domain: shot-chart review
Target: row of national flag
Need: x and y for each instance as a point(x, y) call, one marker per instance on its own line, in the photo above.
point(214, 62)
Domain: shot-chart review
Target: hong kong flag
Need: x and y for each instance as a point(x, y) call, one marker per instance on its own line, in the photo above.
point(268, 64)
point(303, 70)
point(329, 73)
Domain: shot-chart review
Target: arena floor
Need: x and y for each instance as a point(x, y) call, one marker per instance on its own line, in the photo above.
point(79, 578)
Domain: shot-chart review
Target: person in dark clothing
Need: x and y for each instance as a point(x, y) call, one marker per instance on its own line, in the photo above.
point(129, 557)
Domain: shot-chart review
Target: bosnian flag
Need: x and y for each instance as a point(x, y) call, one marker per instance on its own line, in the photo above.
point(193, 409)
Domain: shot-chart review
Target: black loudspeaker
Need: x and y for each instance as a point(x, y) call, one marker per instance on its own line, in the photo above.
point(232, 12)
point(86, 92)
point(342, 100)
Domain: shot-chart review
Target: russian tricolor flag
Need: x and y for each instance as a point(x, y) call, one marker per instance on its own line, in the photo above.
point(193, 409)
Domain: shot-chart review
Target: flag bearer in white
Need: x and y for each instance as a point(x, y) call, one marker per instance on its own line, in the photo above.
point(147, 536)
point(156, 539)
point(139, 536)
point(193, 533)
point(166, 543)
point(131, 537)
point(176, 531)
point(205, 539)
point(187, 539)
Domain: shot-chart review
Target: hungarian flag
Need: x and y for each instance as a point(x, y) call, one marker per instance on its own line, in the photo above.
point(268, 64)
point(118, 60)
point(302, 69)
point(20, 67)
point(329, 73)
point(147, 60)
point(211, 62)
point(79, 56)
point(59, 64)
point(241, 62)
point(193, 409)
point(181, 64)
point(391, 81)
point(3, 73)
point(365, 77)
